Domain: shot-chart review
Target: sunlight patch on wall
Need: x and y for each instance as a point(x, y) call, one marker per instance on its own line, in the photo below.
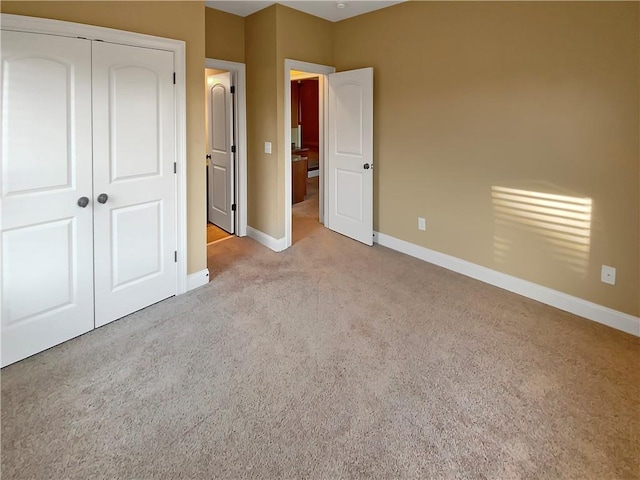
point(559, 224)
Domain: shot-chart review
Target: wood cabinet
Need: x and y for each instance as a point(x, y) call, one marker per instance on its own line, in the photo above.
point(298, 179)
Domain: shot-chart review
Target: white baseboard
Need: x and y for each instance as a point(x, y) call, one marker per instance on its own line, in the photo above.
point(275, 244)
point(197, 279)
point(578, 306)
point(313, 173)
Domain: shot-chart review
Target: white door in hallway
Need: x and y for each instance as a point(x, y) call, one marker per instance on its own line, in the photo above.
point(134, 180)
point(350, 159)
point(47, 238)
point(220, 143)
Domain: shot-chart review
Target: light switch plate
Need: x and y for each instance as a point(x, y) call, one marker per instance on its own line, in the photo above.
point(267, 147)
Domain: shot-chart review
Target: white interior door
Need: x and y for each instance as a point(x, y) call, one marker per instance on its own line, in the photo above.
point(134, 154)
point(46, 246)
point(350, 159)
point(220, 142)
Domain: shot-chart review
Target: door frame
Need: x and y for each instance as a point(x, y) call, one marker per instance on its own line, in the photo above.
point(322, 71)
point(178, 47)
point(238, 76)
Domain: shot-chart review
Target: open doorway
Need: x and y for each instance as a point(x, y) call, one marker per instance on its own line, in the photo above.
point(345, 150)
point(305, 147)
point(226, 156)
point(305, 153)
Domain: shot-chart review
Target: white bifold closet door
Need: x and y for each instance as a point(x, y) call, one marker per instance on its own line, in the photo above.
point(72, 129)
point(133, 157)
point(47, 238)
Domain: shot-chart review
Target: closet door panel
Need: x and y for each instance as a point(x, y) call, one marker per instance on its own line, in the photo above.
point(46, 241)
point(134, 154)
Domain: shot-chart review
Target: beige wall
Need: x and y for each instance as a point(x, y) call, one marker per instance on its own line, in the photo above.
point(262, 169)
point(271, 36)
point(535, 96)
point(305, 38)
point(224, 36)
point(539, 97)
point(178, 20)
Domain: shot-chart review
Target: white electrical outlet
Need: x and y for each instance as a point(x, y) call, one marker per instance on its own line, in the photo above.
point(608, 275)
point(422, 224)
point(267, 147)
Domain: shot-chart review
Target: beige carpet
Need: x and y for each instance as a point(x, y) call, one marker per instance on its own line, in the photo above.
point(329, 360)
point(304, 215)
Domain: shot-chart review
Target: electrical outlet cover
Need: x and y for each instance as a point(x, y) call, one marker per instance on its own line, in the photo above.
point(608, 275)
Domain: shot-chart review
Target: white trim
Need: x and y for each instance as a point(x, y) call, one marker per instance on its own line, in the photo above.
point(275, 244)
point(198, 279)
point(181, 159)
point(578, 306)
point(241, 132)
point(322, 71)
point(323, 165)
point(178, 47)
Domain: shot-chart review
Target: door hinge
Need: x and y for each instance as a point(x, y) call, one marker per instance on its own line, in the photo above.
point(175, 256)
point(233, 207)
point(175, 167)
point(233, 149)
point(174, 78)
point(233, 89)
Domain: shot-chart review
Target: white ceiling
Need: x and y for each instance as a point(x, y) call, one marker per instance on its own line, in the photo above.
point(326, 9)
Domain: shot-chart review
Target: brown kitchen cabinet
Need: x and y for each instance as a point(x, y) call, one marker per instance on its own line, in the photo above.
point(298, 178)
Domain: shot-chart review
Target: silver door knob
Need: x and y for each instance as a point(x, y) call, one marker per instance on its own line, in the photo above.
point(103, 197)
point(366, 166)
point(83, 202)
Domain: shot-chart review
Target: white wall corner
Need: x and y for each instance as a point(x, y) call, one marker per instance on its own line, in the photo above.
point(198, 279)
point(275, 244)
point(578, 306)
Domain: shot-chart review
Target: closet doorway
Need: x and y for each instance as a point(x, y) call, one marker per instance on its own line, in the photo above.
point(108, 205)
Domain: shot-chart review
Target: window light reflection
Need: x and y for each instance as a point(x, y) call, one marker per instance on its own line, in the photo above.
point(561, 222)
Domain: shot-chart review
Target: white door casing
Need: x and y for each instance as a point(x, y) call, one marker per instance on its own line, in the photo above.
point(133, 155)
point(220, 140)
point(350, 159)
point(46, 245)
